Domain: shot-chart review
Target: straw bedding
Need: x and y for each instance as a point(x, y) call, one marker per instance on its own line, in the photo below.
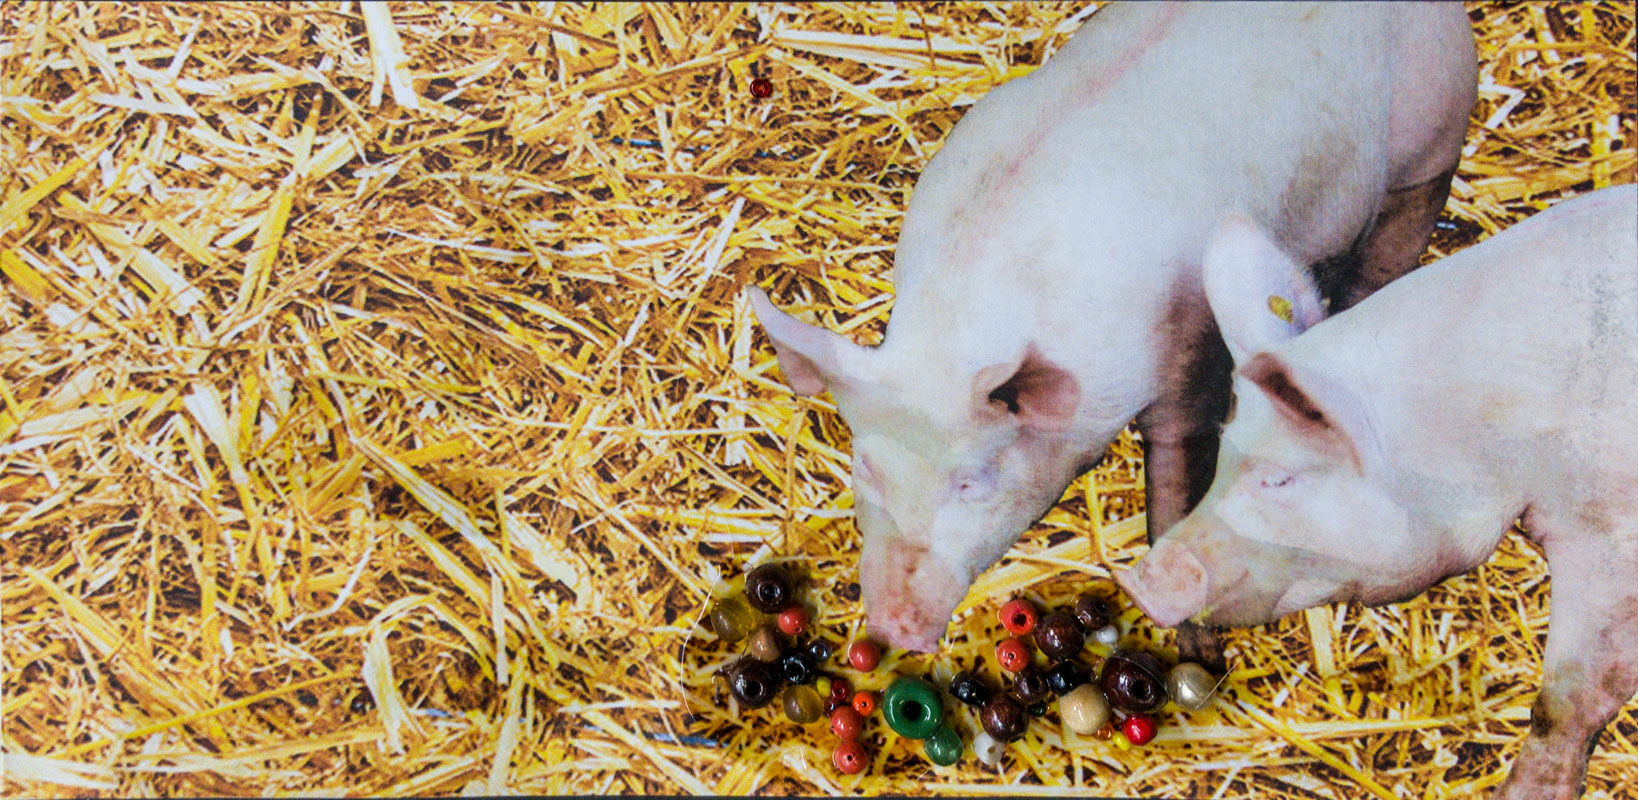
point(378, 410)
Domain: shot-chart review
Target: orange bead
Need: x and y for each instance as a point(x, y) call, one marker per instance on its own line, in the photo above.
point(1012, 654)
point(865, 702)
point(1018, 616)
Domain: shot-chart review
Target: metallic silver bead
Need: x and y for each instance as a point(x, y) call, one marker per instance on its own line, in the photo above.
point(1190, 686)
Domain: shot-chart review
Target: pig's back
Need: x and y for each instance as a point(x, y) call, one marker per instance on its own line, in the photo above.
point(1120, 152)
point(1516, 358)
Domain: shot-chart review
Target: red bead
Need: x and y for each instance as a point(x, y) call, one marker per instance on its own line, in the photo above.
point(761, 87)
point(864, 655)
point(850, 757)
point(865, 702)
point(793, 620)
point(841, 692)
point(1018, 616)
point(1012, 654)
point(846, 723)
point(1139, 728)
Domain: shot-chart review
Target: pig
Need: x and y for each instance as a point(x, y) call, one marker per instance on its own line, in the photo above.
point(1393, 445)
point(1047, 273)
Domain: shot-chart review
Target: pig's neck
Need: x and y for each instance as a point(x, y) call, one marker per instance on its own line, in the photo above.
point(1462, 367)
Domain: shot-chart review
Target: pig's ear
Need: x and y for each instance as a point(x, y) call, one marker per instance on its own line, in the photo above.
point(812, 358)
point(1324, 416)
point(1040, 394)
point(1258, 294)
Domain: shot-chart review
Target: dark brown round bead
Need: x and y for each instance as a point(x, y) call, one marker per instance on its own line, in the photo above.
point(768, 588)
point(1059, 636)
point(1003, 718)
point(1134, 682)
point(1093, 612)
point(1030, 686)
point(752, 682)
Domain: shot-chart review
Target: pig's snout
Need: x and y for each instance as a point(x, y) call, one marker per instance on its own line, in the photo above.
point(910, 595)
point(1168, 584)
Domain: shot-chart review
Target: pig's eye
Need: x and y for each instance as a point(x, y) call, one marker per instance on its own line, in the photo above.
point(1277, 480)
point(975, 486)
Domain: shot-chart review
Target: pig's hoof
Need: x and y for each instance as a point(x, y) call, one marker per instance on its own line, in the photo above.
point(1201, 645)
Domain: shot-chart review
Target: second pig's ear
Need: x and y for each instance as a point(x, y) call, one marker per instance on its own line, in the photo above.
point(1040, 394)
point(813, 359)
point(1258, 294)
point(1324, 416)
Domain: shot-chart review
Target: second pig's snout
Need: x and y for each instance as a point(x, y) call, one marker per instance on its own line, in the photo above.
point(1168, 584)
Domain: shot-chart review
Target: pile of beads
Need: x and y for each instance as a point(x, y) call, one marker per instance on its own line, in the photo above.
point(1129, 688)
point(756, 678)
point(1115, 703)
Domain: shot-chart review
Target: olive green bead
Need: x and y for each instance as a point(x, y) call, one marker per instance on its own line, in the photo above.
point(943, 747)
point(803, 705)
point(731, 619)
point(912, 708)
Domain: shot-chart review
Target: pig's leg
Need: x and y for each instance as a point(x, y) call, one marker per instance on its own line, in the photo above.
point(1590, 667)
point(1180, 437)
point(1394, 243)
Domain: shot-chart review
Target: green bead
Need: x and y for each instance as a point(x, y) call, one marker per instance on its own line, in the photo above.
point(912, 708)
point(731, 619)
point(802, 704)
point(944, 747)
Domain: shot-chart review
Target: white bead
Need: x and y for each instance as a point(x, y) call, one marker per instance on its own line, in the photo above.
point(987, 748)
point(1107, 635)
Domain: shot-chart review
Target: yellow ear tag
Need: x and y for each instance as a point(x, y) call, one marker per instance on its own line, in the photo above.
point(1280, 306)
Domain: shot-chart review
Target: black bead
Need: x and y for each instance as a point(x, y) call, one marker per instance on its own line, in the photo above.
point(1030, 686)
point(1037, 709)
point(752, 682)
point(798, 668)
point(1134, 682)
point(819, 651)
point(1059, 636)
point(768, 588)
point(967, 688)
point(1093, 613)
point(1065, 676)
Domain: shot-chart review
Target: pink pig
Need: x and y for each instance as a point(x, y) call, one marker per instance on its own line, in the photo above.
point(1394, 444)
point(1048, 271)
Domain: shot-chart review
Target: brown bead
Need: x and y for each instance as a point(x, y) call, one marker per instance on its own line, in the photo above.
point(1059, 636)
point(1134, 682)
point(1093, 612)
point(752, 682)
point(765, 644)
point(1003, 718)
point(768, 588)
point(1030, 686)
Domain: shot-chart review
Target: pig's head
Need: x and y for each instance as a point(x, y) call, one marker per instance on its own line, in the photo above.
point(951, 461)
point(1303, 510)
